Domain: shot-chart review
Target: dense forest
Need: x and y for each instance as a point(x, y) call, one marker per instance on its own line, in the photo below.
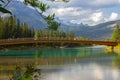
point(116, 33)
point(10, 27)
point(53, 34)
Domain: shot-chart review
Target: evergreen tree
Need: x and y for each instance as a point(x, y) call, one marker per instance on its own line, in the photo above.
point(10, 27)
point(52, 24)
point(70, 35)
point(116, 33)
point(37, 34)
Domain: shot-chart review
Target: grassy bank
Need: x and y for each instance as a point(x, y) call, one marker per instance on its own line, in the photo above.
point(116, 49)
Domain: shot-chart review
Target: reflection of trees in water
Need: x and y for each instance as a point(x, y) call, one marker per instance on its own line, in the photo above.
point(71, 52)
point(65, 53)
point(116, 61)
point(38, 55)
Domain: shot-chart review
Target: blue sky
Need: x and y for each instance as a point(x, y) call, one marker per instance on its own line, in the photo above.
point(89, 12)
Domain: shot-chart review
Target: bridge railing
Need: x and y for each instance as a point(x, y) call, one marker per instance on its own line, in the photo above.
point(51, 38)
point(27, 39)
point(16, 40)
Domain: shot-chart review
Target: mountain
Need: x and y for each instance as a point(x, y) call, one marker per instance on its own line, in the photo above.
point(33, 18)
point(67, 26)
point(103, 30)
point(27, 14)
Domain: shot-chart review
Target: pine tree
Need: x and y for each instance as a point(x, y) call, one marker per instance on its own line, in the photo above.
point(10, 27)
point(37, 34)
point(116, 33)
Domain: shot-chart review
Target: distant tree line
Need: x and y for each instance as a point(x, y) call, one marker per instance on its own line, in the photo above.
point(116, 33)
point(10, 27)
point(53, 34)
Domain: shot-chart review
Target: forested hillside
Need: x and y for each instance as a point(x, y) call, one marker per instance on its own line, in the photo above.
point(10, 27)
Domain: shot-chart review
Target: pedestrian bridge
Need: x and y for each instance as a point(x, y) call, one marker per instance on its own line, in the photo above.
point(33, 41)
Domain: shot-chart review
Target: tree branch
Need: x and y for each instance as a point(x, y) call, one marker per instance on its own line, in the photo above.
point(8, 1)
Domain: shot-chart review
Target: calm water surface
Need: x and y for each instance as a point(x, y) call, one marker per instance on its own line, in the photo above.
point(85, 63)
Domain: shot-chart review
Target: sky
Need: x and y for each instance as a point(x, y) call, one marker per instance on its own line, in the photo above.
point(89, 12)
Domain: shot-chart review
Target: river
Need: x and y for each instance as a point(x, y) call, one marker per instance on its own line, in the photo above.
point(83, 63)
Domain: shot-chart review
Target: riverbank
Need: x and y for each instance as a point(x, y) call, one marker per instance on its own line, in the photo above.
point(38, 46)
point(116, 49)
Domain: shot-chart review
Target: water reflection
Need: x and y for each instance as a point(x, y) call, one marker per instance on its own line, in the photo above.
point(85, 63)
point(116, 60)
point(90, 71)
point(53, 53)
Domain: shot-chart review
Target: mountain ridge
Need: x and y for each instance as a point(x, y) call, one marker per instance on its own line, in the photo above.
point(27, 14)
point(102, 30)
point(33, 18)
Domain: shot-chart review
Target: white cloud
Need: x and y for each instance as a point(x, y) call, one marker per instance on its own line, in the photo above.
point(72, 14)
point(79, 15)
point(114, 16)
point(94, 3)
point(96, 17)
point(84, 11)
point(84, 3)
point(119, 1)
point(71, 11)
point(64, 11)
point(21, 0)
point(104, 3)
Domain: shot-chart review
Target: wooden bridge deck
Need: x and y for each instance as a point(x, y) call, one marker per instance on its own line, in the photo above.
point(29, 41)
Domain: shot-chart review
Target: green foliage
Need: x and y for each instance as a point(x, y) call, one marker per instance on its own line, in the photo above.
point(116, 33)
point(17, 73)
point(52, 24)
point(39, 54)
point(60, 0)
point(36, 3)
point(66, 0)
point(52, 34)
point(43, 7)
point(10, 27)
point(31, 73)
point(33, 3)
point(70, 34)
point(2, 1)
point(2, 9)
point(50, 18)
point(38, 34)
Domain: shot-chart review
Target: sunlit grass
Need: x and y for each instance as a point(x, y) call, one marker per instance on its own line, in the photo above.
point(116, 49)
